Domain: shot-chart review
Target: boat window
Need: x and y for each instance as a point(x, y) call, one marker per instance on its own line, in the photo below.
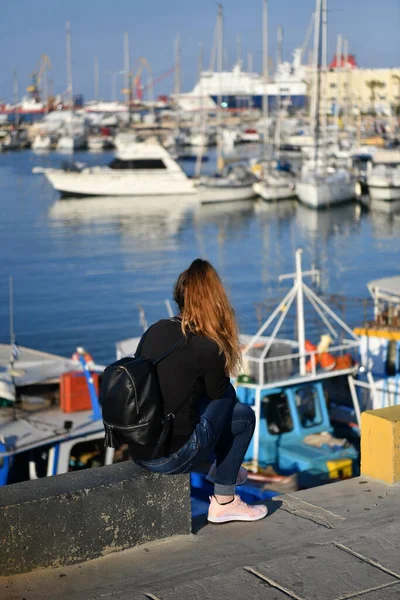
point(275, 409)
point(86, 455)
point(307, 402)
point(138, 164)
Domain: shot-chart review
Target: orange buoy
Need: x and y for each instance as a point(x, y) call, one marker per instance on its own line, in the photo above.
point(309, 347)
point(327, 361)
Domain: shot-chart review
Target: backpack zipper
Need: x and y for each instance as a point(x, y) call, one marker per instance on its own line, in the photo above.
point(112, 427)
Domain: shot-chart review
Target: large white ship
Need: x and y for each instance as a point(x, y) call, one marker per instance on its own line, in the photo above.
point(240, 89)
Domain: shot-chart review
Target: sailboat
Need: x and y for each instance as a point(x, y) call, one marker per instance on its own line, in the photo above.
point(320, 186)
point(74, 138)
point(232, 183)
point(274, 184)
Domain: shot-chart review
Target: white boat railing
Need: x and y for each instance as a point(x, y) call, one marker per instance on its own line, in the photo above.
point(287, 366)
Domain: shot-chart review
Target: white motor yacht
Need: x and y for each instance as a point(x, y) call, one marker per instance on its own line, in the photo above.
point(383, 180)
point(143, 169)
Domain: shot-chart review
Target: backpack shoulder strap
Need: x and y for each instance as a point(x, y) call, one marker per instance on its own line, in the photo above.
point(179, 343)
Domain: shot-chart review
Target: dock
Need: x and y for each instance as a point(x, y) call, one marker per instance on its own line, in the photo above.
point(335, 542)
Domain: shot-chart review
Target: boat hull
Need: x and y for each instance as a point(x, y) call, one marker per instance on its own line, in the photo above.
point(325, 194)
point(272, 194)
point(382, 200)
point(81, 185)
point(219, 194)
point(71, 143)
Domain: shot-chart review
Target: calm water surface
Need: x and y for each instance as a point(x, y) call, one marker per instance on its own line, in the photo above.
point(82, 268)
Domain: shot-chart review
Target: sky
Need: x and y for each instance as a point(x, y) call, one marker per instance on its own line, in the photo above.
point(30, 29)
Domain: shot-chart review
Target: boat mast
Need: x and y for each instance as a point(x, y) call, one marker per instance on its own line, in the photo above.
point(301, 336)
point(338, 82)
point(127, 77)
point(177, 86)
point(219, 68)
point(202, 116)
point(278, 95)
point(347, 102)
point(96, 78)
point(324, 68)
point(46, 87)
point(265, 74)
point(15, 94)
point(70, 91)
point(316, 92)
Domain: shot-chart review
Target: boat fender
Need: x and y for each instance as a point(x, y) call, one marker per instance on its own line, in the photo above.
point(81, 351)
point(309, 347)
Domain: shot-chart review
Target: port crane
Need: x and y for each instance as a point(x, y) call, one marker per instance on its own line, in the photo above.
point(38, 74)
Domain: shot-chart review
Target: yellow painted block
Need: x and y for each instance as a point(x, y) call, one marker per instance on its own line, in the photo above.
point(380, 444)
point(338, 469)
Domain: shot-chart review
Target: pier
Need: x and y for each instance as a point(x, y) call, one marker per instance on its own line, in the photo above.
point(335, 542)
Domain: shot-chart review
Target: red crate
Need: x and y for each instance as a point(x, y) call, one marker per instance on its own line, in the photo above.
point(74, 392)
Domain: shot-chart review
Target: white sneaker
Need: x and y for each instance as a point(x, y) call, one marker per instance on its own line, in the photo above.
point(237, 510)
point(240, 480)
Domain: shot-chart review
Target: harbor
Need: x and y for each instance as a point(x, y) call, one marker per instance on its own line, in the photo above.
point(280, 168)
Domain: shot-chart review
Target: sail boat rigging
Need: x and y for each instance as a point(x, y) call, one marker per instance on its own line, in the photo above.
point(320, 186)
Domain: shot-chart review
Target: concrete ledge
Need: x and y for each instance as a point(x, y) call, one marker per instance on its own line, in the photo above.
point(71, 518)
point(380, 444)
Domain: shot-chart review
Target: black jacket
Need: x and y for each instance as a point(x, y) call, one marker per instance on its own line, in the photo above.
point(190, 372)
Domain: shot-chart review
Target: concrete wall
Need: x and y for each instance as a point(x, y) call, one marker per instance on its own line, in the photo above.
point(71, 518)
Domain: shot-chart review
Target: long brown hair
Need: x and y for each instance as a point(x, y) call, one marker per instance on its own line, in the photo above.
point(206, 310)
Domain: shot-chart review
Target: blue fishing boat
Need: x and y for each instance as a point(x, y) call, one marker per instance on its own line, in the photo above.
point(376, 384)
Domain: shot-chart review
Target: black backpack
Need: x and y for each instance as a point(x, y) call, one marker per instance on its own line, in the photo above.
point(133, 407)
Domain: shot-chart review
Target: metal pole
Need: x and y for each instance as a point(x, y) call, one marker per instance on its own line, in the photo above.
point(277, 141)
point(354, 397)
point(300, 313)
point(265, 73)
point(177, 53)
point(126, 66)
point(69, 65)
point(239, 49)
point(219, 68)
point(324, 79)
point(279, 47)
point(46, 86)
point(96, 78)
point(338, 82)
point(11, 317)
point(346, 79)
point(114, 85)
point(202, 117)
point(12, 342)
point(316, 83)
point(15, 94)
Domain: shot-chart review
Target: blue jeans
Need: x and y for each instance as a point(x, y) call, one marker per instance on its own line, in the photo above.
point(225, 428)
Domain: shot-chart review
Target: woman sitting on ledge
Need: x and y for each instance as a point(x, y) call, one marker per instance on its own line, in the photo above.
point(194, 381)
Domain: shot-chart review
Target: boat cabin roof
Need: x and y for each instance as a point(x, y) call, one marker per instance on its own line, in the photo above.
point(387, 157)
point(387, 288)
point(148, 150)
point(23, 430)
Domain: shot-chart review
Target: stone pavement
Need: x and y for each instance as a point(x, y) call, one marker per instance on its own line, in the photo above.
point(335, 542)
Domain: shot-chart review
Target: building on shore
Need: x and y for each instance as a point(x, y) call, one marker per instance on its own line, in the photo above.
point(360, 91)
